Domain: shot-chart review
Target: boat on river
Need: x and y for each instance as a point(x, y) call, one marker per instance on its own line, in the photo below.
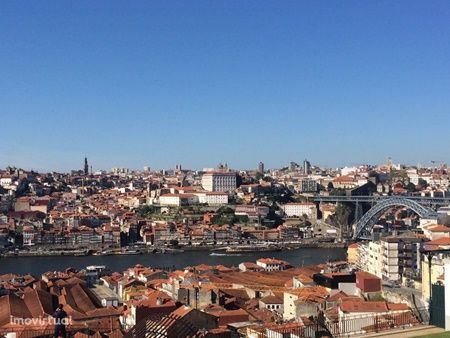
point(252, 248)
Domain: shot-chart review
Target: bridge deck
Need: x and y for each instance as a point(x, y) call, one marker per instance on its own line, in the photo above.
point(375, 199)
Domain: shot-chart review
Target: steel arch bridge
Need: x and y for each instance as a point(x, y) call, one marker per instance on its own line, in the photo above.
point(366, 223)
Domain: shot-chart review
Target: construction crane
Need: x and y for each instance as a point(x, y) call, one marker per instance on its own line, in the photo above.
point(440, 163)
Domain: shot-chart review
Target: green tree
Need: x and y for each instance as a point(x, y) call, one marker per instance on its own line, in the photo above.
point(338, 192)
point(398, 176)
point(422, 183)
point(341, 215)
point(146, 210)
point(410, 187)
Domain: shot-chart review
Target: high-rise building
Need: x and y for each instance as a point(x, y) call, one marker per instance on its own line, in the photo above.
point(260, 167)
point(86, 166)
point(306, 167)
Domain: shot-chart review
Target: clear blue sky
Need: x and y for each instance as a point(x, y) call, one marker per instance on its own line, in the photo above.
point(134, 83)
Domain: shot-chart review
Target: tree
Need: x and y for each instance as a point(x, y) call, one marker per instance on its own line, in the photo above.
point(398, 176)
point(300, 198)
point(422, 183)
point(146, 210)
point(338, 192)
point(268, 179)
point(341, 215)
point(225, 210)
point(410, 187)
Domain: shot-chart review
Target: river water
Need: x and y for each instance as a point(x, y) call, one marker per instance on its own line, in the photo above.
point(37, 265)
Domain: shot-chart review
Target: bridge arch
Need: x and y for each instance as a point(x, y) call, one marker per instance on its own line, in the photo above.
point(366, 223)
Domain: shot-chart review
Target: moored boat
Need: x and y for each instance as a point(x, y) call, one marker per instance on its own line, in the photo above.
point(252, 248)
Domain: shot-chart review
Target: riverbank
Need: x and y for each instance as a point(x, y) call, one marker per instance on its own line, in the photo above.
point(164, 250)
point(39, 265)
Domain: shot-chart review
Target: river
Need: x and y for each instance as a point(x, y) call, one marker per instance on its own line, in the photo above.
point(37, 265)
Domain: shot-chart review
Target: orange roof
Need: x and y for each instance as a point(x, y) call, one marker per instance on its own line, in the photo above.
point(272, 261)
point(301, 203)
point(438, 228)
point(365, 274)
point(397, 307)
point(350, 305)
point(182, 311)
point(439, 241)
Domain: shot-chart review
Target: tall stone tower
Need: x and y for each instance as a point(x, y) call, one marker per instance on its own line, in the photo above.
point(86, 166)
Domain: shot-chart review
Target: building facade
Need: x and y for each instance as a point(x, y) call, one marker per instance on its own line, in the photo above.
point(219, 181)
point(300, 209)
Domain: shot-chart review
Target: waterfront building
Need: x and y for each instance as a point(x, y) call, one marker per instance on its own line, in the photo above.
point(300, 209)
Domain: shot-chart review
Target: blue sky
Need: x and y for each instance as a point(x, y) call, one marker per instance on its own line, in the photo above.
point(134, 83)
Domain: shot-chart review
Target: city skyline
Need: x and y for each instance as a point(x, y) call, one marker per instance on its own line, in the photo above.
point(88, 168)
point(202, 83)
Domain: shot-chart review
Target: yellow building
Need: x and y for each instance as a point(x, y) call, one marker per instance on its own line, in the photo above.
point(437, 274)
point(134, 292)
point(352, 253)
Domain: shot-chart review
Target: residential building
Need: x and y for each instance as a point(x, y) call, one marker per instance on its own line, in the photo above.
point(370, 257)
point(307, 185)
point(352, 253)
point(392, 257)
point(271, 264)
point(401, 256)
point(271, 303)
point(251, 210)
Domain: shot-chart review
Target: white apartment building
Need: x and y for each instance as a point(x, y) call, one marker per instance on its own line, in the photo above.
point(219, 181)
point(178, 199)
point(370, 258)
point(300, 209)
point(5, 181)
point(413, 176)
point(212, 198)
point(392, 257)
point(401, 256)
